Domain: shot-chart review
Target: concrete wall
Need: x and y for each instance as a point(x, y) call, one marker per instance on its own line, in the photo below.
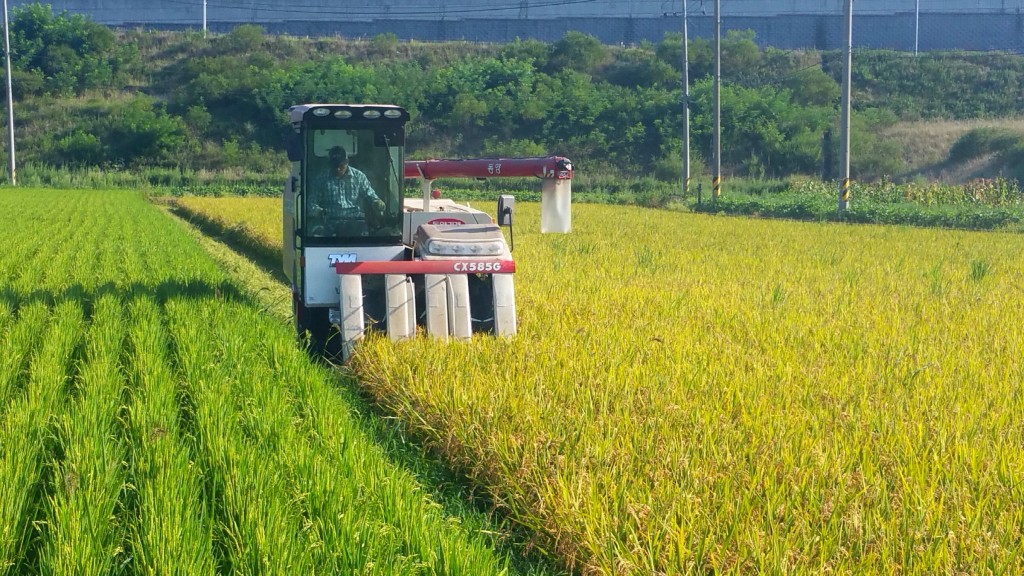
point(944, 24)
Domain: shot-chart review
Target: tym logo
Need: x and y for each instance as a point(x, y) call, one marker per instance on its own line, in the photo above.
point(347, 258)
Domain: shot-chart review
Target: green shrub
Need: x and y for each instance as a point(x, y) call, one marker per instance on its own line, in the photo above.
point(984, 141)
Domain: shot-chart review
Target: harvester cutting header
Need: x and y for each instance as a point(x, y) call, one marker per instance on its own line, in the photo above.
point(360, 255)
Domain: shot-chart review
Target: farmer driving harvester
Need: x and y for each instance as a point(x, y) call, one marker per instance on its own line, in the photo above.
point(344, 198)
point(360, 255)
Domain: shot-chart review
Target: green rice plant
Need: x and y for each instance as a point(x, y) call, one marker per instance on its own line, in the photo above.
point(936, 281)
point(25, 438)
point(401, 529)
point(171, 532)
point(16, 457)
point(231, 182)
point(260, 529)
point(150, 423)
point(88, 480)
point(980, 269)
point(311, 463)
point(18, 341)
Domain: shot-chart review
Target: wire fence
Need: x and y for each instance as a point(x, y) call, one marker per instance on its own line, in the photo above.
point(907, 25)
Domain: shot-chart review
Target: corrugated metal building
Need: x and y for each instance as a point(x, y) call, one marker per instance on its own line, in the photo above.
point(941, 24)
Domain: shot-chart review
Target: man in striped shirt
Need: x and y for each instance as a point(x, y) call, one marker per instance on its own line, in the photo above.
point(344, 193)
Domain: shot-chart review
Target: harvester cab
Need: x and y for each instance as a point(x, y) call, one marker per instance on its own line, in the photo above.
point(361, 256)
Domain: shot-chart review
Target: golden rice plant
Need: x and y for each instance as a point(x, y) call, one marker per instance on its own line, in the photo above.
point(701, 394)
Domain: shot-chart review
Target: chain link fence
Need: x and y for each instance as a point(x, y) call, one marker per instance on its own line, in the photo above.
point(905, 25)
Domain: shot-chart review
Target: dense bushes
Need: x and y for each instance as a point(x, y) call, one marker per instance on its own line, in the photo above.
point(956, 85)
point(128, 134)
point(65, 54)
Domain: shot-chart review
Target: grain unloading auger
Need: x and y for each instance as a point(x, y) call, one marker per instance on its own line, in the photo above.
point(361, 256)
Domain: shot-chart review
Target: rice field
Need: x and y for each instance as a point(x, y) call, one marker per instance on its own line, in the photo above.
point(154, 420)
point(700, 394)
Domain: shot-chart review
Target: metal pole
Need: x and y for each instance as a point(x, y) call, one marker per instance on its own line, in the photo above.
point(10, 101)
point(717, 144)
point(686, 105)
point(844, 190)
point(204, 18)
point(917, 24)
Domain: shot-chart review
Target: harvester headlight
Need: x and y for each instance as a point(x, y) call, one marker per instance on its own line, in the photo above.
point(371, 114)
point(451, 248)
point(343, 114)
point(321, 112)
point(392, 113)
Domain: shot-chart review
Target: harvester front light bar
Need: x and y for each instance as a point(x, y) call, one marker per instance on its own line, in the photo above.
point(453, 248)
point(343, 114)
point(371, 114)
point(321, 112)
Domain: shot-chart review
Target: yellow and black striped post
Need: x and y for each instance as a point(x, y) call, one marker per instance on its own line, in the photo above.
point(844, 195)
point(716, 185)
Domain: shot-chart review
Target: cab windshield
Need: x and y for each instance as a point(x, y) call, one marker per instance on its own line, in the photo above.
point(352, 185)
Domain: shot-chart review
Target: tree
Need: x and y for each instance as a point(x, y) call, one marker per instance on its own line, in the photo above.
point(813, 87)
point(578, 51)
point(69, 52)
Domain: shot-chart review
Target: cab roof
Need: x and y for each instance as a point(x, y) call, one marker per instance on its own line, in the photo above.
point(357, 111)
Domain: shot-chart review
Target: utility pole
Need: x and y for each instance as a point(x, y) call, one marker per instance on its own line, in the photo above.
point(844, 190)
point(686, 105)
point(10, 101)
point(716, 183)
point(917, 24)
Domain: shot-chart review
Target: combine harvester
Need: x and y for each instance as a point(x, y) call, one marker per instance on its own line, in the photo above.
point(360, 255)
